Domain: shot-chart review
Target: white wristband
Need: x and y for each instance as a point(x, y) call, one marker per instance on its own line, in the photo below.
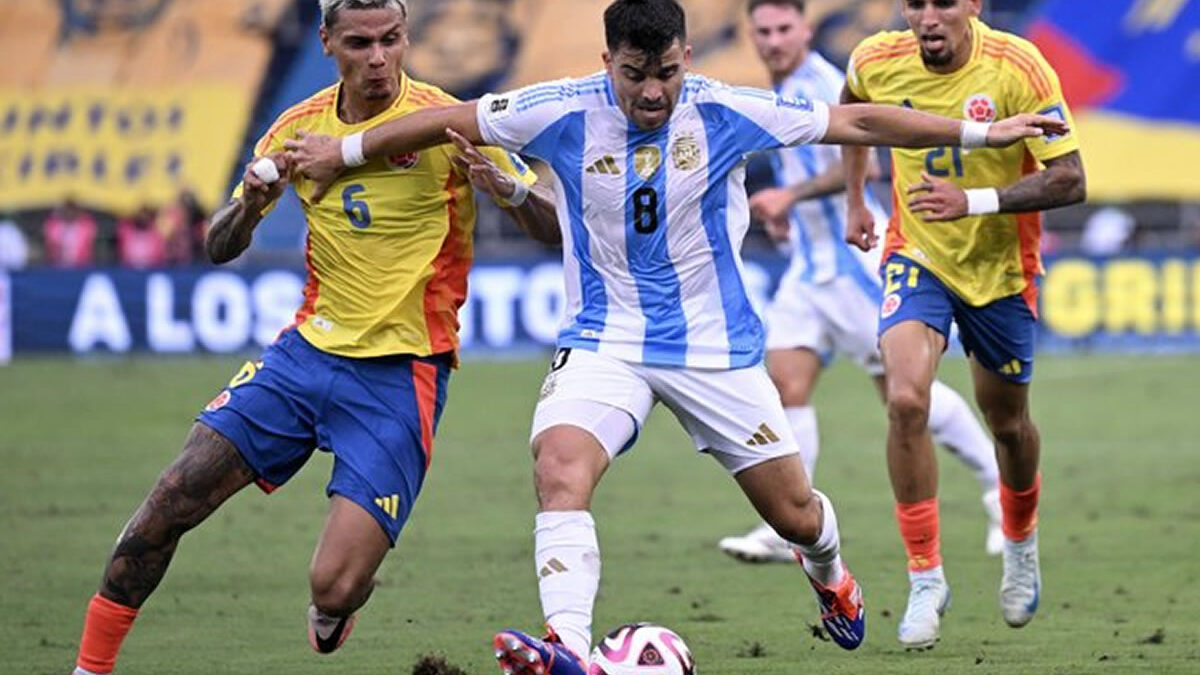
point(520, 193)
point(352, 150)
point(983, 201)
point(974, 134)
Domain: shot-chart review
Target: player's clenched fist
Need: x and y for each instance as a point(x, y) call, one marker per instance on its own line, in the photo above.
point(860, 226)
point(262, 191)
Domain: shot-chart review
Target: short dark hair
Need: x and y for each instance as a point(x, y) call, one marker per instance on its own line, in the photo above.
point(798, 5)
point(648, 26)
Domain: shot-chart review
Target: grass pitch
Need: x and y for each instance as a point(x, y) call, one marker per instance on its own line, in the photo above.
point(81, 443)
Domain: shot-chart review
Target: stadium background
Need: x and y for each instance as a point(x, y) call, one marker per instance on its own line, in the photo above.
point(122, 104)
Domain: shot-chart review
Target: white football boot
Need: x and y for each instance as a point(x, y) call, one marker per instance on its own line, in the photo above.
point(1021, 585)
point(928, 599)
point(759, 545)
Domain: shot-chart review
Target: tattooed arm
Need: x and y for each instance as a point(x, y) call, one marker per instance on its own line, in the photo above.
point(1061, 184)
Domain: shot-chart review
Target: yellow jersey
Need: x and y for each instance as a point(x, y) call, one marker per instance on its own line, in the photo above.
point(980, 258)
point(389, 247)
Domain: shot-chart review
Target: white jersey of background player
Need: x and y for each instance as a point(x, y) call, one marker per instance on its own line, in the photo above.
point(647, 166)
point(828, 299)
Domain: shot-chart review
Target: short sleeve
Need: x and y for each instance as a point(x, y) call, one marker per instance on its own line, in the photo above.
point(1035, 88)
point(763, 120)
point(514, 120)
point(854, 79)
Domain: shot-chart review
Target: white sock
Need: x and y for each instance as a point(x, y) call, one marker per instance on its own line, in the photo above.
point(1020, 545)
point(933, 573)
point(804, 428)
point(567, 556)
point(81, 671)
point(954, 426)
point(822, 558)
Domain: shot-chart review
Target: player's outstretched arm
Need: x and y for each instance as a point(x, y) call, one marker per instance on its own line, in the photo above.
point(232, 226)
point(870, 124)
point(773, 204)
point(322, 159)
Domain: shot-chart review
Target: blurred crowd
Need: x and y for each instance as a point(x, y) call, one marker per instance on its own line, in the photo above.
point(466, 46)
point(74, 237)
point(71, 236)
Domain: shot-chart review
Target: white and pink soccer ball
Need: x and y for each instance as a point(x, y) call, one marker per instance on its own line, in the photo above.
point(642, 649)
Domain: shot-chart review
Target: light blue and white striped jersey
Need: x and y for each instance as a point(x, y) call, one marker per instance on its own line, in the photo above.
point(653, 221)
point(819, 249)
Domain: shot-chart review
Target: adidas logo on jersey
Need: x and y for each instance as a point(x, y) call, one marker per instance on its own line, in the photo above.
point(764, 436)
point(605, 165)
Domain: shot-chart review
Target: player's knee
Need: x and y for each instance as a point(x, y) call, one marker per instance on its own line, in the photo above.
point(168, 512)
point(562, 484)
point(908, 409)
point(797, 518)
point(204, 475)
point(339, 592)
point(800, 522)
point(1008, 428)
point(793, 393)
point(565, 470)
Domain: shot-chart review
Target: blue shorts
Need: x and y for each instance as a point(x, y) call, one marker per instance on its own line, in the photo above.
point(999, 335)
point(376, 415)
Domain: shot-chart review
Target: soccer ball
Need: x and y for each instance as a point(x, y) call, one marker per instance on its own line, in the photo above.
point(642, 649)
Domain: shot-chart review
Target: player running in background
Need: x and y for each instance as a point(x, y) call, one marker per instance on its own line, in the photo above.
point(648, 168)
point(363, 371)
point(828, 299)
point(962, 245)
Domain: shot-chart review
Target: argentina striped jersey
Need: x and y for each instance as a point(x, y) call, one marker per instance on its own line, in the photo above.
point(653, 221)
point(819, 250)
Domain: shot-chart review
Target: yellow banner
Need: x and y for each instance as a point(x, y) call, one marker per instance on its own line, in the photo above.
point(115, 150)
point(1136, 297)
point(1129, 158)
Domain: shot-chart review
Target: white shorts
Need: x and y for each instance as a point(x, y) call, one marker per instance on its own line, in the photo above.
point(839, 316)
point(734, 415)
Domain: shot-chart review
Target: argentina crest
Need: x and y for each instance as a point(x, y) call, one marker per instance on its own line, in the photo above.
point(646, 160)
point(685, 153)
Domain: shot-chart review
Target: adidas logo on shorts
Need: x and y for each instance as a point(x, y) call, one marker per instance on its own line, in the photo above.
point(764, 436)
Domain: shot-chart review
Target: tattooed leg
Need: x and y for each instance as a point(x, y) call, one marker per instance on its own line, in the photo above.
point(207, 472)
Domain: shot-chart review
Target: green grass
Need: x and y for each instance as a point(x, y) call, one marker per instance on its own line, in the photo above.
point(81, 442)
